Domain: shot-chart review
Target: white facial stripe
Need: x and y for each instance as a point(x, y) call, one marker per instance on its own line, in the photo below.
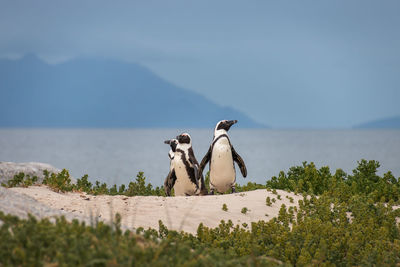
point(220, 131)
point(216, 126)
point(184, 147)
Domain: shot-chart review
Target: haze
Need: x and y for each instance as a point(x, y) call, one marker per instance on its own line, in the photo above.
point(286, 64)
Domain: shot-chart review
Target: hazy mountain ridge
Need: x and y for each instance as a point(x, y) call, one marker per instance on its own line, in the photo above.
point(386, 123)
point(100, 93)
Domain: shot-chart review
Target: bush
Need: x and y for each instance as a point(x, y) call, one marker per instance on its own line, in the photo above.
point(342, 220)
point(20, 179)
point(61, 182)
point(224, 207)
point(58, 182)
point(268, 201)
point(244, 210)
point(35, 242)
point(307, 179)
point(139, 188)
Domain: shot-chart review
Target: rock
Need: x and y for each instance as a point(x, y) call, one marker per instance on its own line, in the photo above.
point(20, 205)
point(9, 169)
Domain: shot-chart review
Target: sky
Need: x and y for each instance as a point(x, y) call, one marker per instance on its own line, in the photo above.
point(287, 64)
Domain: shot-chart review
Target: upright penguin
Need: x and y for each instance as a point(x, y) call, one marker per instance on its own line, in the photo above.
point(171, 178)
point(185, 167)
point(222, 156)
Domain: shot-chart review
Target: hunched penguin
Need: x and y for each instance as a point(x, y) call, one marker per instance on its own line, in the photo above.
point(222, 156)
point(188, 182)
point(170, 179)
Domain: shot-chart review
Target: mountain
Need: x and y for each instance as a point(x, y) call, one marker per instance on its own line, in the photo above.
point(100, 93)
point(385, 123)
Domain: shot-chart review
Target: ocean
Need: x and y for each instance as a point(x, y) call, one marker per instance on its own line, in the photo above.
point(117, 155)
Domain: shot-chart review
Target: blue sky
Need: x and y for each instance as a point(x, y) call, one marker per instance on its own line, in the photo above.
point(288, 64)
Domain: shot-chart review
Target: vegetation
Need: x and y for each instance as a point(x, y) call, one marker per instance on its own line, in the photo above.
point(364, 181)
point(268, 201)
point(290, 199)
point(244, 210)
point(249, 187)
point(224, 207)
point(61, 182)
point(58, 182)
point(35, 242)
point(21, 179)
point(239, 188)
point(342, 220)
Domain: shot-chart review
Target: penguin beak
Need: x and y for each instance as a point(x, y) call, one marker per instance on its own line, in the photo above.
point(167, 142)
point(229, 124)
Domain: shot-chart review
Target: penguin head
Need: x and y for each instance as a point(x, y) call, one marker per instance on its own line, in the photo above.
point(224, 125)
point(184, 138)
point(172, 143)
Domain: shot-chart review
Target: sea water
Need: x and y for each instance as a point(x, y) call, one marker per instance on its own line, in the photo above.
point(117, 155)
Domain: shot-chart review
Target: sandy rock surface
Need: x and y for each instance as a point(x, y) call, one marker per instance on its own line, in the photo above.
point(178, 213)
point(19, 204)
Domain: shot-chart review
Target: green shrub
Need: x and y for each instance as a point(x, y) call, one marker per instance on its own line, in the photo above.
point(35, 242)
point(244, 210)
point(83, 184)
point(249, 187)
point(61, 182)
point(58, 182)
point(351, 222)
point(20, 179)
point(139, 187)
point(307, 179)
point(224, 207)
point(319, 234)
point(268, 201)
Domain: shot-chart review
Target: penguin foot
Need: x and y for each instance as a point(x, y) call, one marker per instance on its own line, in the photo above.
point(211, 192)
point(167, 191)
point(204, 192)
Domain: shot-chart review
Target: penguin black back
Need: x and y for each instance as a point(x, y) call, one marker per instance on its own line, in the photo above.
point(186, 167)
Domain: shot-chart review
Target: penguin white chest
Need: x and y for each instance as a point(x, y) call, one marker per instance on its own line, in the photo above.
point(183, 185)
point(222, 170)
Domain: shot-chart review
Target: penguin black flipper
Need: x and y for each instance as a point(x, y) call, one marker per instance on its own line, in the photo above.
point(203, 189)
point(206, 159)
point(239, 162)
point(169, 182)
point(192, 159)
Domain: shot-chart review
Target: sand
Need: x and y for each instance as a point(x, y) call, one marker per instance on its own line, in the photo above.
point(177, 213)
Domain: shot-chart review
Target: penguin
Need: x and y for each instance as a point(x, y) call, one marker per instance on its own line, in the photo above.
point(171, 178)
point(188, 182)
point(222, 156)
